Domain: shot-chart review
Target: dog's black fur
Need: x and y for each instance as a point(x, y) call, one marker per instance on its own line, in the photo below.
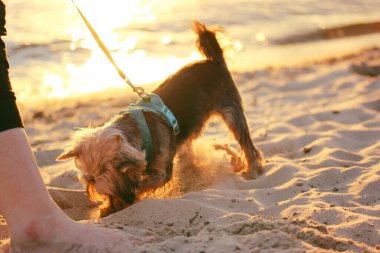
point(204, 88)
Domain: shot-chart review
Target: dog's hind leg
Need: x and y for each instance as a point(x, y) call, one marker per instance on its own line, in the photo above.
point(233, 115)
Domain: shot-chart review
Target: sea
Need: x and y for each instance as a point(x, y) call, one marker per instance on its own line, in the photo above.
point(53, 55)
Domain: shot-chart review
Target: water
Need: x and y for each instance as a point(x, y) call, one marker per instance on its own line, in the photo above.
point(53, 55)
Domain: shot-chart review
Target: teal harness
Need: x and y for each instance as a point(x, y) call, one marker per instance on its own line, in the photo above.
point(150, 103)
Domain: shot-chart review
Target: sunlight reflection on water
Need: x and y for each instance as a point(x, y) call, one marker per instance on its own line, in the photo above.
point(53, 55)
point(137, 63)
point(94, 72)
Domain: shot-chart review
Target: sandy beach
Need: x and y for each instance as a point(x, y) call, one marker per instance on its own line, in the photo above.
point(318, 126)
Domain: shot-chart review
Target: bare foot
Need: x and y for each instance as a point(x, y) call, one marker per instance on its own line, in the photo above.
point(69, 236)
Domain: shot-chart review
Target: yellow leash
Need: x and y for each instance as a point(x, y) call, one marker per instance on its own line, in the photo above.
point(139, 90)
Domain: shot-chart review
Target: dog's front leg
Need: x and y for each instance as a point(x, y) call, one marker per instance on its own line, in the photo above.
point(158, 176)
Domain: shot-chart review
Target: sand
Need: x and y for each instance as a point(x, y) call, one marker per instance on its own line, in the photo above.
point(318, 126)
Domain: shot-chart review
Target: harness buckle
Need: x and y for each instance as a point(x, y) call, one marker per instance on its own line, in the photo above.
point(176, 128)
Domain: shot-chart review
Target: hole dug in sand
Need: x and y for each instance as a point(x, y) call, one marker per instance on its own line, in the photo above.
point(198, 166)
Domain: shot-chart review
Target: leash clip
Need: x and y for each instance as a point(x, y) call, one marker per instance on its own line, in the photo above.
point(141, 92)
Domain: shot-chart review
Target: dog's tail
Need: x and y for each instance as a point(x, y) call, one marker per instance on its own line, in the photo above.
point(207, 43)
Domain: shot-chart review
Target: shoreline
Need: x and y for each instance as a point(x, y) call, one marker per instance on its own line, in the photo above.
point(130, 96)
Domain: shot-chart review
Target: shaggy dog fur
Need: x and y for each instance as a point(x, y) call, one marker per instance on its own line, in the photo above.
point(111, 157)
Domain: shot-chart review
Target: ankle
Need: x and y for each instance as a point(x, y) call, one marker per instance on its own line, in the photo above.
point(38, 231)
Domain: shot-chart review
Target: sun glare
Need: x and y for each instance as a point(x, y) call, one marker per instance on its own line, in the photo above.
point(97, 74)
point(55, 86)
point(261, 37)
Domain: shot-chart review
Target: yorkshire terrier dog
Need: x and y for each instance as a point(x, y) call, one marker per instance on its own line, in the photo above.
point(111, 157)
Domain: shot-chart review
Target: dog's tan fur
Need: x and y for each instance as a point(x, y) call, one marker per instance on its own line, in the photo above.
point(111, 157)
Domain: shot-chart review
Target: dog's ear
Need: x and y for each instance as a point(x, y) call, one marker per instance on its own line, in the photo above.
point(67, 154)
point(75, 146)
point(114, 141)
point(133, 159)
point(131, 163)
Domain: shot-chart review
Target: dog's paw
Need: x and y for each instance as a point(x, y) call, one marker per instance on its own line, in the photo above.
point(253, 171)
point(249, 175)
point(105, 211)
point(113, 205)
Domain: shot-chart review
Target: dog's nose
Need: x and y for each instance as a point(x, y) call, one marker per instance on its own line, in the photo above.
point(89, 178)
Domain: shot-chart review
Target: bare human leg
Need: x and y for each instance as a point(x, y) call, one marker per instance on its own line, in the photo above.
point(36, 223)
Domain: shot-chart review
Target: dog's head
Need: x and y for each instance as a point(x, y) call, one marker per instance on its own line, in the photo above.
point(112, 168)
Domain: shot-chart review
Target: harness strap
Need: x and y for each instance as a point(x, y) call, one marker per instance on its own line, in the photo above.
point(138, 115)
point(151, 103)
